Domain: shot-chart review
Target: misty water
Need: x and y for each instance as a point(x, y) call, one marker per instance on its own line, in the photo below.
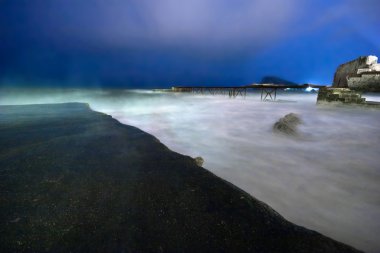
point(327, 180)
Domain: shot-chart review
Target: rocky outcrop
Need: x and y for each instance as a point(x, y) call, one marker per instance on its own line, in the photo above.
point(362, 74)
point(342, 95)
point(287, 125)
point(74, 180)
point(365, 81)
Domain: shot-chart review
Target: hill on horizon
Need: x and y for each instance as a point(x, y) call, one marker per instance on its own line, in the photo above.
point(276, 80)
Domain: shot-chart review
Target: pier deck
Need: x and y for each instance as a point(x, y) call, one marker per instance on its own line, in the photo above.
point(268, 91)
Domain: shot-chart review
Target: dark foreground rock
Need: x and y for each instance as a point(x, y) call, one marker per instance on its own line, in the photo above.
point(74, 180)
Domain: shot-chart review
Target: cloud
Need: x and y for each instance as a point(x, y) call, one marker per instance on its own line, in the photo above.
point(207, 24)
point(211, 22)
point(209, 41)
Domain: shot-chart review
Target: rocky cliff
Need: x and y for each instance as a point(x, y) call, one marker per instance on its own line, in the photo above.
point(74, 180)
point(362, 74)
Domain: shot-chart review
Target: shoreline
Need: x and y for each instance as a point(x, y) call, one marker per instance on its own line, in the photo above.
point(72, 175)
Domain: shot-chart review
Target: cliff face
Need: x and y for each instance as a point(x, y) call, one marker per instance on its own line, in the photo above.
point(340, 77)
point(360, 74)
point(369, 81)
point(74, 180)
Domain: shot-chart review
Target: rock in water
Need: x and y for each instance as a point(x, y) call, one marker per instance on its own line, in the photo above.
point(74, 180)
point(287, 125)
point(199, 161)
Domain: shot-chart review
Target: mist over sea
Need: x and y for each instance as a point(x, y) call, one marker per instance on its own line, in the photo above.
point(327, 180)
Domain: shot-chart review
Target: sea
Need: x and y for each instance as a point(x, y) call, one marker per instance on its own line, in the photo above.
point(326, 179)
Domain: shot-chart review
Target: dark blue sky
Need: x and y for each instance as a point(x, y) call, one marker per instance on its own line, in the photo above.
point(157, 43)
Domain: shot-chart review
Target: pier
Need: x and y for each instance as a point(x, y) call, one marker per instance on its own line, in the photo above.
point(268, 91)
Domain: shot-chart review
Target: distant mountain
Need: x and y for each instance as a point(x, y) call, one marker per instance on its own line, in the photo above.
point(276, 80)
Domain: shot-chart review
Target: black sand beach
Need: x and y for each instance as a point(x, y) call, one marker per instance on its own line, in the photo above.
point(75, 180)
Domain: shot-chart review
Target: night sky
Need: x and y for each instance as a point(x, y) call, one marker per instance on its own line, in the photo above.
point(161, 43)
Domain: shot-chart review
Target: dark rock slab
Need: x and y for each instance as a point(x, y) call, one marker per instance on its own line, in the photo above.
point(74, 180)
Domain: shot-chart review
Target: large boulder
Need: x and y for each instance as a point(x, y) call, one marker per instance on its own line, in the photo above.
point(287, 125)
